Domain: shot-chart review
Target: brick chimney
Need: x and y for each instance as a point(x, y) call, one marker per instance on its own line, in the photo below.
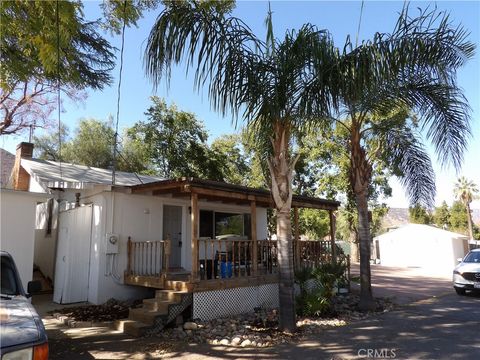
point(20, 177)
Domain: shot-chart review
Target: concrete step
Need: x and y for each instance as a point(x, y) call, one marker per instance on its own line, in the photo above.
point(135, 328)
point(170, 295)
point(157, 304)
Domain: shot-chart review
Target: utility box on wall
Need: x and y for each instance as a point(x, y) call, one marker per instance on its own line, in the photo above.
point(112, 243)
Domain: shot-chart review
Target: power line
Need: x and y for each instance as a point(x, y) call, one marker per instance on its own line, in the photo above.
point(359, 22)
point(58, 94)
point(118, 94)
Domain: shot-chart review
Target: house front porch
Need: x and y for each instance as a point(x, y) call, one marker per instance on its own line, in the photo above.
point(227, 269)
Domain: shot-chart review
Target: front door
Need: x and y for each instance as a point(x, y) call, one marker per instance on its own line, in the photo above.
point(172, 228)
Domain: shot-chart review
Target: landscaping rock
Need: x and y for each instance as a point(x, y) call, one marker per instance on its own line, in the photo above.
point(190, 326)
point(236, 340)
point(246, 343)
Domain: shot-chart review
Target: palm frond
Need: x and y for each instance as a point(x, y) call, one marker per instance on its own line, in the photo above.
point(220, 48)
point(411, 164)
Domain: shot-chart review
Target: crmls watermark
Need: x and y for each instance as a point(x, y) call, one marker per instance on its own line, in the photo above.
point(377, 353)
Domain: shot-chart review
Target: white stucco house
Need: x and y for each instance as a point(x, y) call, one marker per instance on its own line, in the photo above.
point(417, 245)
point(205, 239)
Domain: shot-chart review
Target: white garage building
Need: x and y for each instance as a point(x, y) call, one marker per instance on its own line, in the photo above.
point(416, 245)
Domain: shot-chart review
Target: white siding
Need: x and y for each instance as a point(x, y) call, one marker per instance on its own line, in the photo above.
point(140, 217)
point(17, 231)
point(423, 246)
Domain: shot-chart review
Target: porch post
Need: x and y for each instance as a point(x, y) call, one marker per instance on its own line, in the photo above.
point(253, 227)
point(332, 236)
point(129, 255)
point(297, 253)
point(194, 219)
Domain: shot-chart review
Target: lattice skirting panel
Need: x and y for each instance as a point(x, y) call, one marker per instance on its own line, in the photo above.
point(209, 305)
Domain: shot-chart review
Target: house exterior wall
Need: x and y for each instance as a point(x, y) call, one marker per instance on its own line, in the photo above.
point(141, 218)
point(17, 231)
point(137, 216)
point(45, 243)
point(420, 246)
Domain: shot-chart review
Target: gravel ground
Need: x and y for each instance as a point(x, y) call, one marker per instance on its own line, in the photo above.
point(259, 329)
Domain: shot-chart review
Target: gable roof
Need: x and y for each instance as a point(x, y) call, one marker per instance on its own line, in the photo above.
point(52, 174)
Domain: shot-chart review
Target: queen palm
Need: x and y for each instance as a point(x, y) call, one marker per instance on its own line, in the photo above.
point(383, 114)
point(272, 83)
point(282, 85)
point(465, 191)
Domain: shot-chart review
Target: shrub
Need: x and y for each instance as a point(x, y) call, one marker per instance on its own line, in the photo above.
point(318, 301)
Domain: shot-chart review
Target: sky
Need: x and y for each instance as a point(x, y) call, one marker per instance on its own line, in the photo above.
point(341, 18)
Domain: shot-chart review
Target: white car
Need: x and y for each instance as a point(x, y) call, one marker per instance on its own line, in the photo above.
point(466, 275)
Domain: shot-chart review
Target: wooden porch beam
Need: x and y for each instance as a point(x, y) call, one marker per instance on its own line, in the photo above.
point(194, 219)
point(332, 235)
point(221, 194)
point(253, 227)
point(172, 186)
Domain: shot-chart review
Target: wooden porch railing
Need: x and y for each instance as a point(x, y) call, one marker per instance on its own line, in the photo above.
point(234, 258)
point(148, 258)
point(312, 252)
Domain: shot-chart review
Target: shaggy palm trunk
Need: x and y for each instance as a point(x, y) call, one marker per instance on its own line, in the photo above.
point(366, 297)
point(469, 219)
point(281, 170)
point(360, 177)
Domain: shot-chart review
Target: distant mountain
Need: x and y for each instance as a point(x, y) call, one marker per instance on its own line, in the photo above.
point(398, 216)
point(395, 217)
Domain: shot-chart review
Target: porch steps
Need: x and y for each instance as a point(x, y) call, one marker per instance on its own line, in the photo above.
point(158, 312)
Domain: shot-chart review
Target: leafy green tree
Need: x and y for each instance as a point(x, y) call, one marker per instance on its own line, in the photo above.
point(117, 13)
point(92, 144)
point(30, 67)
point(46, 146)
point(419, 215)
point(458, 217)
point(465, 191)
point(43, 43)
point(176, 143)
point(441, 216)
point(229, 152)
point(313, 223)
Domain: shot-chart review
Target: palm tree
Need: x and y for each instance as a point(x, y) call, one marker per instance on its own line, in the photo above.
point(393, 86)
point(273, 83)
point(301, 81)
point(465, 191)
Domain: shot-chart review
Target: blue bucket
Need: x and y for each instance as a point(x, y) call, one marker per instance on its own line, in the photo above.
point(226, 270)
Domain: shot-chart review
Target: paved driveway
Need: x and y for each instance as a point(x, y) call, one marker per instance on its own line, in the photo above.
point(406, 285)
point(441, 326)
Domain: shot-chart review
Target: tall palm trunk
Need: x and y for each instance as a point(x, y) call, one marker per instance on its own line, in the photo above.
point(469, 219)
point(281, 170)
point(360, 177)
